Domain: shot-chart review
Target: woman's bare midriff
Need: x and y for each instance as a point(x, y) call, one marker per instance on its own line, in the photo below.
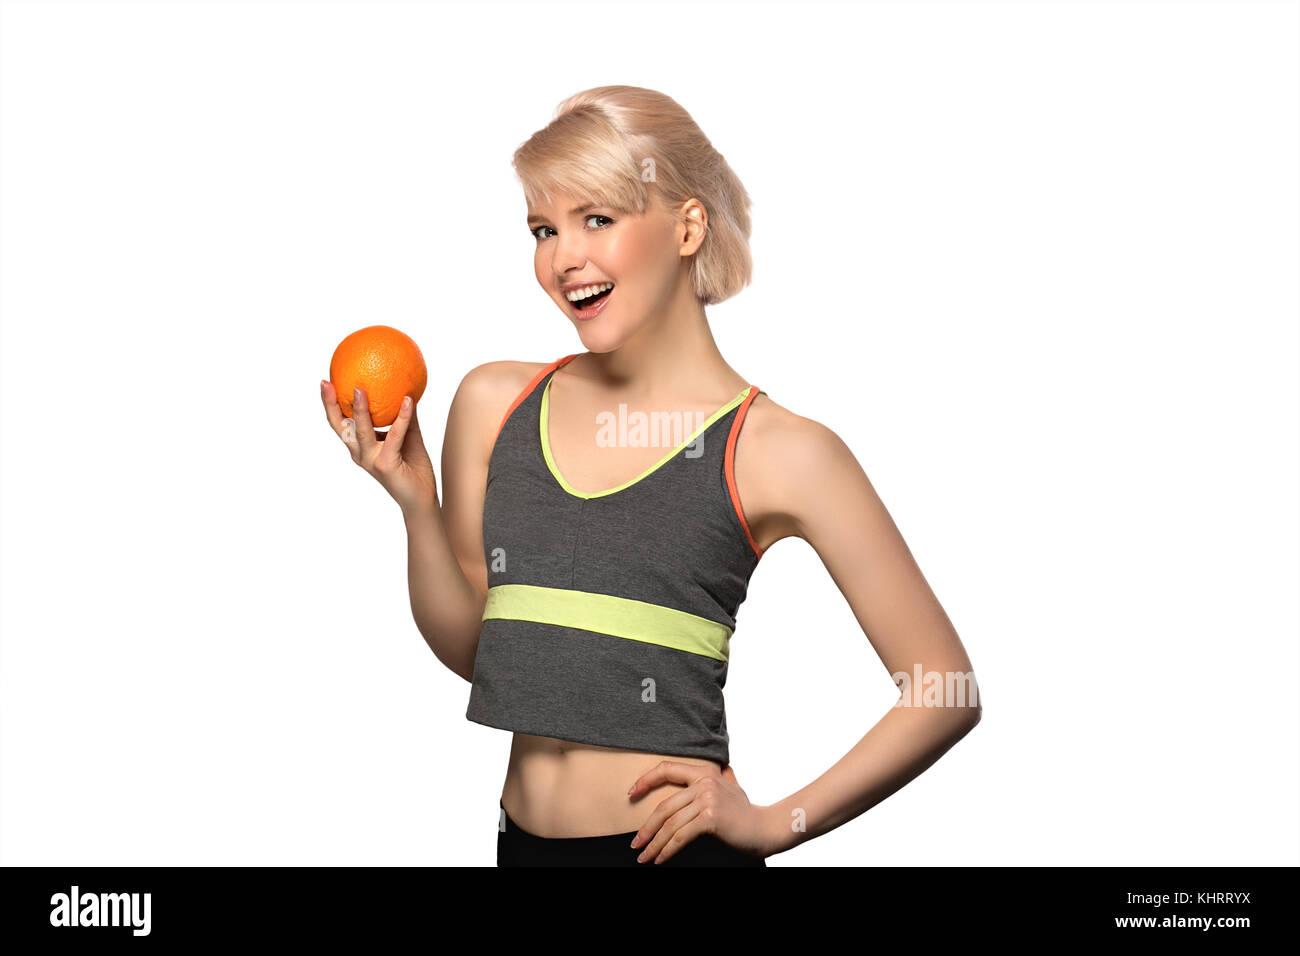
point(557, 788)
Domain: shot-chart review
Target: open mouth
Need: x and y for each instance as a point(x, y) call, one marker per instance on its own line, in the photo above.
point(585, 305)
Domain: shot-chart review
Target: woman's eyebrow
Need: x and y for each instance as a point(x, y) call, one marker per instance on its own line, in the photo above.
point(572, 212)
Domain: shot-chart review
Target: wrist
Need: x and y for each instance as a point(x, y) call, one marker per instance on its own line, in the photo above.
point(778, 829)
point(420, 514)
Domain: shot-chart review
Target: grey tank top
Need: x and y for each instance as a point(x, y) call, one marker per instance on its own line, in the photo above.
point(609, 614)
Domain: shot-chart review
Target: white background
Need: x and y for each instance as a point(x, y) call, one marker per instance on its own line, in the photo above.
point(1036, 263)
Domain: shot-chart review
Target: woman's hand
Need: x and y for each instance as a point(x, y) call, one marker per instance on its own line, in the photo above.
point(711, 802)
point(397, 460)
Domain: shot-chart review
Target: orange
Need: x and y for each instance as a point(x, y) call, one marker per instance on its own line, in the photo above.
point(385, 364)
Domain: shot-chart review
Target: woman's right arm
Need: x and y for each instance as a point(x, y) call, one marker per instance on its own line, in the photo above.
point(448, 577)
point(446, 573)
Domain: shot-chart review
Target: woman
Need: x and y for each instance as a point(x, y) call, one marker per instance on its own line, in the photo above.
point(586, 582)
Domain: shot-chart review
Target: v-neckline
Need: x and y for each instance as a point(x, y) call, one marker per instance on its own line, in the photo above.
point(543, 419)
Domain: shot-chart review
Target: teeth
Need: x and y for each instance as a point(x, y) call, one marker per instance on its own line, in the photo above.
point(577, 295)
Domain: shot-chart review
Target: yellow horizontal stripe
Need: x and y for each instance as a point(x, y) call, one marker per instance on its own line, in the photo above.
point(607, 614)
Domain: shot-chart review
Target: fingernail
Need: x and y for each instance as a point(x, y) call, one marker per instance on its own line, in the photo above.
point(406, 403)
point(356, 395)
point(322, 386)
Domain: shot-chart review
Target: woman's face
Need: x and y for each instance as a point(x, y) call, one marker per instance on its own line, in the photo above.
point(580, 245)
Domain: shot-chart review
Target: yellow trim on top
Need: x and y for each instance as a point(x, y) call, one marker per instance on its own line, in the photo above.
point(609, 615)
point(550, 460)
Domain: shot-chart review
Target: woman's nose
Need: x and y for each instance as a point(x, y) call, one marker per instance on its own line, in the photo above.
point(569, 255)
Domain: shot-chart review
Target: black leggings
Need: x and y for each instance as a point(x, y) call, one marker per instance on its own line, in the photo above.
point(517, 847)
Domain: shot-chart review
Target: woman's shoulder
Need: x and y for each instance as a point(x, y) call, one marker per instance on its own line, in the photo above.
point(771, 429)
point(781, 459)
point(485, 396)
point(491, 379)
point(495, 385)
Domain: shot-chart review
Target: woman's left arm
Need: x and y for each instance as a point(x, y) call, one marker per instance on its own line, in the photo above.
point(824, 496)
point(799, 479)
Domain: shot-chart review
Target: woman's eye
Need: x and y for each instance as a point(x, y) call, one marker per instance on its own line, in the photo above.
point(536, 229)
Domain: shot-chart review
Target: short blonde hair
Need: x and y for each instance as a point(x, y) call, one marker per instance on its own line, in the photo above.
point(611, 145)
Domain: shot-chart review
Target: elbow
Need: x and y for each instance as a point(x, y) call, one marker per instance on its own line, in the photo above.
point(971, 701)
point(965, 704)
point(972, 711)
point(963, 713)
point(959, 722)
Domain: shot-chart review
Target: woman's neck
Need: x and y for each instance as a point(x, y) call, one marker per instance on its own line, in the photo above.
point(674, 356)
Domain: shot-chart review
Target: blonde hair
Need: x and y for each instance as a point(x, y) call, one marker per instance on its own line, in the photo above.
point(625, 147)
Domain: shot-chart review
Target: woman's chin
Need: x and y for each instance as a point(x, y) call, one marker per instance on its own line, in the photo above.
point(594, 340)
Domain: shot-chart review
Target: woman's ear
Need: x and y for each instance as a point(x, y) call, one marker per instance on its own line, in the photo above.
point(695, 222)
